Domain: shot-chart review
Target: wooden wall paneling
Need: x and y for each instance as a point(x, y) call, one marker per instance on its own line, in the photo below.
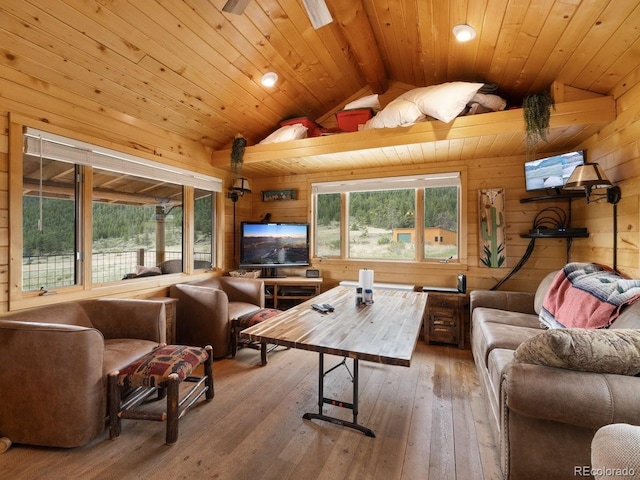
point(93, 123)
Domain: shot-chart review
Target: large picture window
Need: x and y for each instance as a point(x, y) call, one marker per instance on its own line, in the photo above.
point(131, 209)
point(414, 218)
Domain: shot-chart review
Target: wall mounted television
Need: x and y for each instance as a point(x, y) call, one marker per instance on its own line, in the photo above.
point(551, 172)
point(272, 245)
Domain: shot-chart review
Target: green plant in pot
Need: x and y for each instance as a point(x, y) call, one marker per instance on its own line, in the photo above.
point(237, 153)
point(537, 114)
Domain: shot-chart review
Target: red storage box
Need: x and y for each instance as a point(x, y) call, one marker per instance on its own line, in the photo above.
point(348, 120)
point(313, 129)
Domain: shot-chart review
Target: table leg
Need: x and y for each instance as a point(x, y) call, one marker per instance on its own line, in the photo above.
point(351, 406)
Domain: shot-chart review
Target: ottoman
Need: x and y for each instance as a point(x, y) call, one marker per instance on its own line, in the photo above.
point(160, 371)
point(245, 321)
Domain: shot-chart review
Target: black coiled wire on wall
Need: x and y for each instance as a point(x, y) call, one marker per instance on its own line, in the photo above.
point(550, 217)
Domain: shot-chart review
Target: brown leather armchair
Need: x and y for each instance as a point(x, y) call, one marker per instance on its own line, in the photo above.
point(55, 360)
point(205, 309)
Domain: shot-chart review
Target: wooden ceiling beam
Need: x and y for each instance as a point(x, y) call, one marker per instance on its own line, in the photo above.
point(359, 35)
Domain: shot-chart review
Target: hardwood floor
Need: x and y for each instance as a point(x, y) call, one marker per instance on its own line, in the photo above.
point(429, 419)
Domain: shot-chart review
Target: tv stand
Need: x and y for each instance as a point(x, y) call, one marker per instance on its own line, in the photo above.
point(286, 292)
point(271, 272)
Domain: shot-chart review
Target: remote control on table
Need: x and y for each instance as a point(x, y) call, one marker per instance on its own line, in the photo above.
point(319, 308)
point(329, 307)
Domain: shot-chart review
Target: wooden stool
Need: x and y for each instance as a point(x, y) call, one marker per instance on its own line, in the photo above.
point(245, 321)
point(160, 371)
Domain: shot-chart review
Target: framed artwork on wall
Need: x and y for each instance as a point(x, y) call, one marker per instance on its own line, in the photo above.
point(492, 241)
point(278, 195)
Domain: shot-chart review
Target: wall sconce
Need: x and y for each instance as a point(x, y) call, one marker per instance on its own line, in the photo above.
point(590, 176)
point(269, 79)
point(464, 33)
point(240, 187)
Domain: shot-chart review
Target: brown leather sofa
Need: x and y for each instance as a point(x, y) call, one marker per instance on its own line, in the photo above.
point(54, 361)
point(543, 418)
point(206, 307)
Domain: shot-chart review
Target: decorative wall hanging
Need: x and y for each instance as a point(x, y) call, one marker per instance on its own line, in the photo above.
point(278, 195)
point(492, 240)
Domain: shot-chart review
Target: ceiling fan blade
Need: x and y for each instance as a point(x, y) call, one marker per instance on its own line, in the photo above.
point(318, 13)
point(235, 6)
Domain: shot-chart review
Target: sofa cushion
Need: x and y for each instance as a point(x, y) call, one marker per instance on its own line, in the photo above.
point(118, 353)
point(490, 335)
point(601, 351)
point(483, 315)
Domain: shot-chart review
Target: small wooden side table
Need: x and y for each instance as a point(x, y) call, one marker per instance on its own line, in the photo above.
point(445, 318)
point(170, 310)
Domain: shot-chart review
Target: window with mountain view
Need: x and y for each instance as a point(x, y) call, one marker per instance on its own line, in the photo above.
point(137, 223)
point(49, 226)
point(134, 217)
point(387, 218)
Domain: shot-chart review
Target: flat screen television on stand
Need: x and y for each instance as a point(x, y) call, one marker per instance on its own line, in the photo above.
point(272, 245)
point(551, 173)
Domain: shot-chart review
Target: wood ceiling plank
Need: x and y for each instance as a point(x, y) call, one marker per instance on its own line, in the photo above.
point(621, 42)
point(609, 21)
point(53, 68)
point(151, 81)
point(488, 37)
point(509, 33)
point(541, 28)
point(578, 28)
point(49, 15)
point(200, 63)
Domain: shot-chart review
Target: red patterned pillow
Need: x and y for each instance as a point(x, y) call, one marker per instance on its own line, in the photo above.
point(154, 369)
point(253, 318)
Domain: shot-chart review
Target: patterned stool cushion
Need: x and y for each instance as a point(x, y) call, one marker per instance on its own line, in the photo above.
point(249, 319)
point(153, 369)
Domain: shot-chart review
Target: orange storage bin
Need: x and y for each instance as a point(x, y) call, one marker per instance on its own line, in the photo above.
point(348, 120)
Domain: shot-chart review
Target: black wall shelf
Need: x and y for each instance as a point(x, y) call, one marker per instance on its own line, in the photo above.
point(553, 196)
point(555, 235)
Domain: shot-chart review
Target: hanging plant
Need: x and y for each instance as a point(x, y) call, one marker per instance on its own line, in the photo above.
point(537, 114)
point(237, 153)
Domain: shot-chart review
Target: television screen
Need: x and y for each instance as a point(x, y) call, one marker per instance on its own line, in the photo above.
point(269, 245)
point(551, 172)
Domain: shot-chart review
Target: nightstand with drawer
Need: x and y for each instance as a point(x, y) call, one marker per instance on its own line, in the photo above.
point(445, 318)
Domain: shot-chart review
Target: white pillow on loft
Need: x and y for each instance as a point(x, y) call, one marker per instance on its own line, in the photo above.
point(287, 133)
point(370, 101)
point(398, 113)
point(443, 102)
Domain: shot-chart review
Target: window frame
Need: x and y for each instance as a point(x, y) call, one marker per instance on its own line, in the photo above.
point(419, 182)
point(19, 298)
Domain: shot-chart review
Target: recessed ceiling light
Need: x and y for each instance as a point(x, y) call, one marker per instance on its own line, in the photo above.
point(269, 79)
point(464, 33)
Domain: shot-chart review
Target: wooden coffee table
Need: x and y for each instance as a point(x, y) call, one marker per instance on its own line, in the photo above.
point(385, 332)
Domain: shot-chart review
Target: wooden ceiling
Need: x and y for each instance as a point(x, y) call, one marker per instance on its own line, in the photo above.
point(189, 68)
